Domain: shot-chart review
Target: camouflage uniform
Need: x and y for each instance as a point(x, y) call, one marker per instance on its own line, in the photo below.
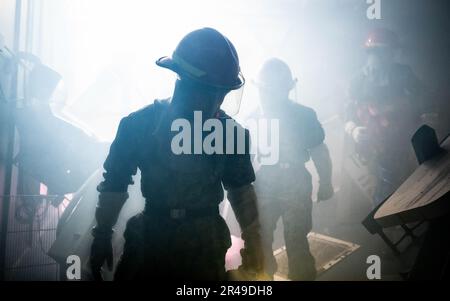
point(159, 243)
point(284, 190)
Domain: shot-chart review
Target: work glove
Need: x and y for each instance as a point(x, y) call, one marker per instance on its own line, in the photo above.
point(252, 267)
point(320, 155)
point(101, 252)
point(360, 135)
point(244, 204)
point(106, 215)
point(252, 253)
point(325, 192)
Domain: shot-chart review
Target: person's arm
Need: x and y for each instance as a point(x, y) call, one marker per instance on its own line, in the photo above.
point(314, 140)
point(237, 180)
point(322, 161)
point(422, 99)
point(119, 166)
point(244, 203)
point(353, 127)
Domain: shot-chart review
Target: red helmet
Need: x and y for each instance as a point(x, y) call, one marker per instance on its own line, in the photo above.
point(382, 37)
point(207, 57)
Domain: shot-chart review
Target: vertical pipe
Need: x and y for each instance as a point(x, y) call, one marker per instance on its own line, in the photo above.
point(10, 149)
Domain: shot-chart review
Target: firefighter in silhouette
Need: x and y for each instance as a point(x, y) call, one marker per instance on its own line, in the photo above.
point(180, 234)
point(285, 189)
point(386, 107)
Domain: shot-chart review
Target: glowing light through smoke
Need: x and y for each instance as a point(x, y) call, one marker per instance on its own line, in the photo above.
point(106, 49)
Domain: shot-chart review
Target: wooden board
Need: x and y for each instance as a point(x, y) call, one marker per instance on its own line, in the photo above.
point(424, 195)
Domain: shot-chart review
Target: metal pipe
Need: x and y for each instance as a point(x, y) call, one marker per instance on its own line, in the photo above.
point(10, 149)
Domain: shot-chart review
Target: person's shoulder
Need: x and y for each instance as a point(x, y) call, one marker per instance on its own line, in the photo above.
point(402, 70)
point(156, 107)
point(148, 112)
point(225, 118)
point(222, 115)
point(141, 118)
point(303, 111)
point(230, 124)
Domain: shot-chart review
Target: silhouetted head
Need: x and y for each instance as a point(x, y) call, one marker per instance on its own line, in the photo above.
point(208, 68)
point(274, 82)
point(381, 45)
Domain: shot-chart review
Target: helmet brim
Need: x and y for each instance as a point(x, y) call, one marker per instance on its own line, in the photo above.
point(169, 63)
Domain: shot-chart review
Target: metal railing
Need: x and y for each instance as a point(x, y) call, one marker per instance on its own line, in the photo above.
point(31, 230)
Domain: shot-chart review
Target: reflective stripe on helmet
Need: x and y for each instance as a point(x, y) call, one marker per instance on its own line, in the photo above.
point(187, 67)
point(208, 57)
